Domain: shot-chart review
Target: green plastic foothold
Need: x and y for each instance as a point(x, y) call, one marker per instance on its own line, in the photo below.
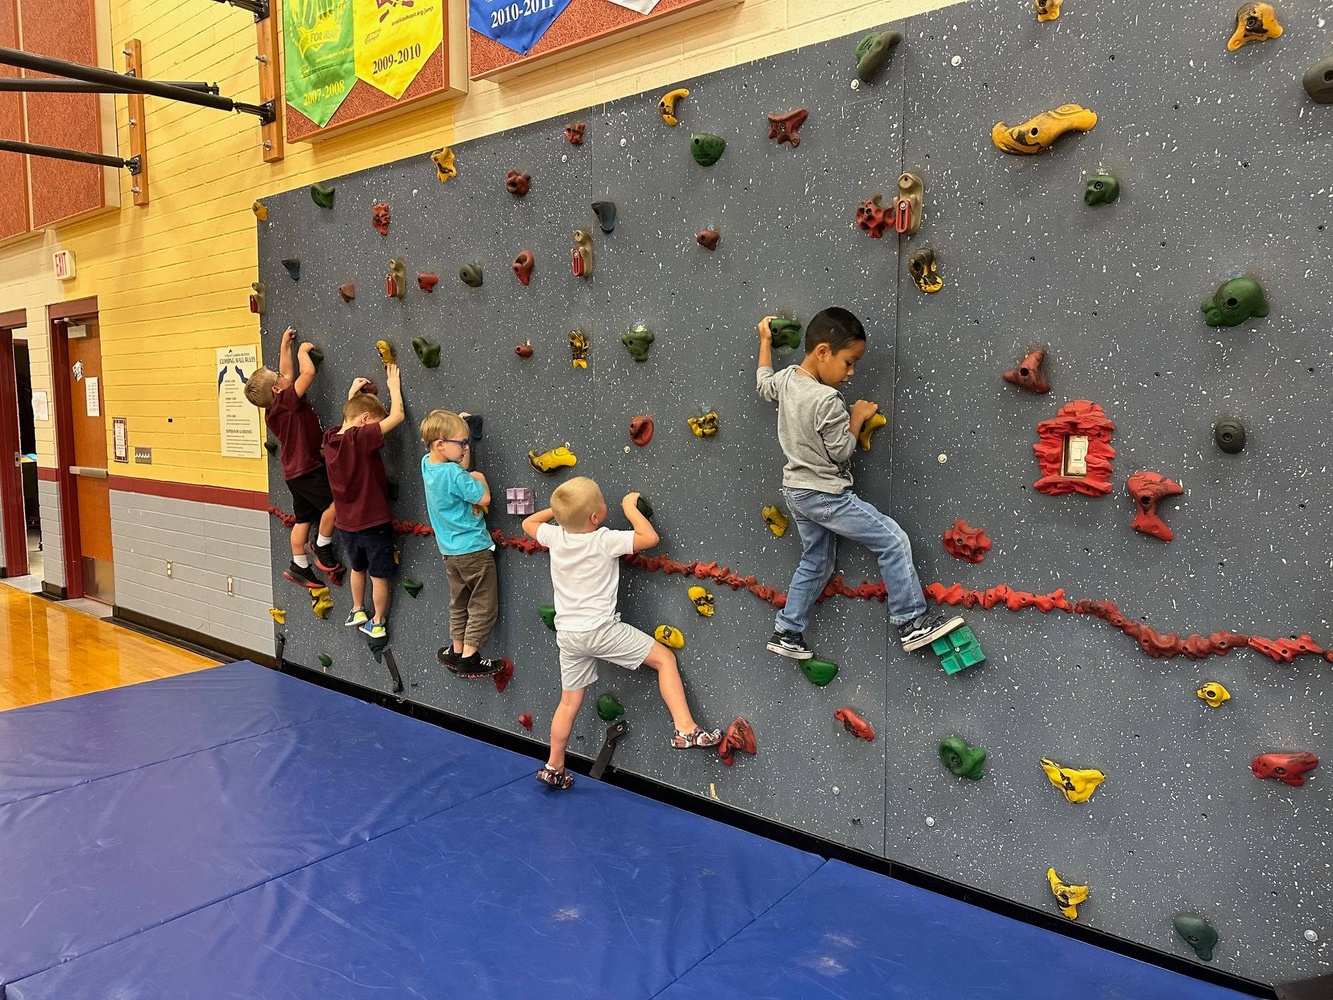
point(271, 444)
point(377, 647)
point(818, 672)
point(316, 357)
point(786, 332)
point(961, 759)
point(547, 611)
point(1198, 934)
point(322, 195)
point(426, 351)
point(958, 650)
point(413, 587)
point(644, 507)
point(325, 660)
point(1101, 189)
point(609, 708)
point(1235, 302)
point(394, 488)
point(872, 53)
point(706, 149)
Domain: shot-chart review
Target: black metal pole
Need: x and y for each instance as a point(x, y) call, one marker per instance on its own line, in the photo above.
point(59, 153)
point(259, 8)
point(32, 85)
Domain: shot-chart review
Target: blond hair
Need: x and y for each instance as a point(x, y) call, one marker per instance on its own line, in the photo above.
point(259, 387)
point(363, 402)
point(441, 425)
point(575, 501)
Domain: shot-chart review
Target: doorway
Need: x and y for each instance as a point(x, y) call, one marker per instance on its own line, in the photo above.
point(13, 520)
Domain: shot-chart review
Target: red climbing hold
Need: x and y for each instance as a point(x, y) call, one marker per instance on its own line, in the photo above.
point(1075, 451)
point(1288, 768)
point(873, 216)
point(380, 217)
point(1147, 489)
point(427, 282)
point(574, 133)
point(517, 184)
point(1028, 375)
point(504, 675)
point(641, 429)
point(965, 542)
point(854, 724)
point(1284, 650)
point(740, 736)
point(525, 720)
point(784, 128)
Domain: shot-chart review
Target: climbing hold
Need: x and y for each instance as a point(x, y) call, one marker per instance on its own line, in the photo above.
point(855, 725)
point(1235, 302)
point(387, 354)
point(293, 266)
point(427, 282)
point(706, 148)
point(785, 330)
point(370, 388)
point(637, 340)
point(258, 299)
point(873, 216)
point(669, 636)
point(578, 348)
point(907, 206)
point(316, 357)
point(1037, 134)
point(704, 425)
point(1101, 189)
point(524, 350)
point(921, 266)
point(644, 507)
point(380, 217)
point(470, 274)
point(958, 650)
point(641, 429)
point(377, 645)
point(963, 760)
point(395, 282)
point(1148, 489)
point(325, 660)
point(1288, 768)
point(818, 672)
point(504, 675)
point(1077, 785)
point(321, 603)
point(547, 613)
point(776, 520)
point(873, 423)
point(1048, 10)
point(445, 168)
point(965, 542)
point(606, 215)
point(702, 600)
point(1255, 22)
point(1214, 694)
point(271, 444)
point(260, 210)
point(708, 238)
point(552, 460)
point(322, 195)
point(785, 128)
point(427, 353)
point(1318, 81)
point(523, 266)
point(740, 736)
point(1229, 435)
point(1075, 451)
point(279, 615)
point(1028, 375)
point(1068, 896)
point(872, 53)
point(347, 290)
point(525, 720)
point(580, 255)
point(395, 488)
point(574, 133)
point(1197, 932)
point(517, 184)
point(609, 708)
point(666, 105)
point(519, 500)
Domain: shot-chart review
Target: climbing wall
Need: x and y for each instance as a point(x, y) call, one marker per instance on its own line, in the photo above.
point(1217, 156)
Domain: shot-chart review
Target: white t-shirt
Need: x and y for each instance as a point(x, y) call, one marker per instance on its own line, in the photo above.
point(585, 573)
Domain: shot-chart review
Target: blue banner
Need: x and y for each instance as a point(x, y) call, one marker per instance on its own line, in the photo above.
point(515, 24)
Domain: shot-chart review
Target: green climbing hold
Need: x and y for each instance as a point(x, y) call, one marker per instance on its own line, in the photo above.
point(786, 332)
point(377, 647)
point(325, 660)
point(961, 759)
point(394, 490)
point(706, 149)
point(644, 507)
point(818, 672)
point(322, 195)
point(428, 353)
point(872, 53)
point(1198, 934)
point(412, 587)
point(547, 611)
point(1235, 302)
point(958, 650)
point(609, 708)
point(316, 357)
point(1101, 189)
point(271, 444)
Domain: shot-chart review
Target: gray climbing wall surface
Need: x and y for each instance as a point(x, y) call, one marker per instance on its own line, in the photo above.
point(1223, 166)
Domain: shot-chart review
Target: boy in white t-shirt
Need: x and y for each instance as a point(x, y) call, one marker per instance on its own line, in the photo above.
point(585, 574)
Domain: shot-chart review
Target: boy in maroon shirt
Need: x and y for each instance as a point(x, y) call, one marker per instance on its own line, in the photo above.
point(361, 492)
point(295, 424)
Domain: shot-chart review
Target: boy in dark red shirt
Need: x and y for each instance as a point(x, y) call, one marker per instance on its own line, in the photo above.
point(295, 424)
point(361, 493)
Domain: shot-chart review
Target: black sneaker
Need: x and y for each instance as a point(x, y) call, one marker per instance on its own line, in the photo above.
point(326, 558)
point(477, 666)
point(790, 644)
point(926, 628)
point(303, 576)
point(446, 657)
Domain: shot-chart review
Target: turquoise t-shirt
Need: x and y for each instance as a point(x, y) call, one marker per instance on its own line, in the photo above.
point(450, 494)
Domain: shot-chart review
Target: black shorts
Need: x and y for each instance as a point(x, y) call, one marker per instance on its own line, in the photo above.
point(371, 550)
point(311, 495)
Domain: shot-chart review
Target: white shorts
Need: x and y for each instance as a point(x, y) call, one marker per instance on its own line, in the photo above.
point(618, 643)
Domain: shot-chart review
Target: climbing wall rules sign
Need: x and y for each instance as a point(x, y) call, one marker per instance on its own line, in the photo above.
point(318, 41)
point(394, 38)
point(238, 418)
point(515, 24)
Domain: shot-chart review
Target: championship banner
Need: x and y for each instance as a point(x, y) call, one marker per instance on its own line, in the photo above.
point(515, 24)
point(317, 37)
point(394, 38)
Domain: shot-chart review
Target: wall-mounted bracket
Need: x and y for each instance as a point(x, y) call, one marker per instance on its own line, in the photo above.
point(137, 164)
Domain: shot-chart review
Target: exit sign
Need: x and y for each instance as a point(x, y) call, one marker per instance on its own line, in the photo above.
point(64, 262)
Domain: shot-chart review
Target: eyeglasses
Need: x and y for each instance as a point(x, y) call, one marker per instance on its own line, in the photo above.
point(461, 442)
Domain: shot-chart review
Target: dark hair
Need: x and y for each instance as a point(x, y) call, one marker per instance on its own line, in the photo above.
point(836, 327)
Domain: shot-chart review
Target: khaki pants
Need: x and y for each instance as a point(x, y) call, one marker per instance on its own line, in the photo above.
point(474, 602)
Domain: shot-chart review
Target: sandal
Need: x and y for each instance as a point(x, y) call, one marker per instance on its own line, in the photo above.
point(696, 738)
point(559, 780)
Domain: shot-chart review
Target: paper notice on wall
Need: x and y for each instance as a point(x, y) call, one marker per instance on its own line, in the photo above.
point(41, 405)
point(238, 418)
point(90, 385)
point(394, 38)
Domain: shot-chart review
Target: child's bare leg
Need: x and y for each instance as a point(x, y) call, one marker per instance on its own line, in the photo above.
point(326, 522)
point(562, 724)
point(670, 686)
point(300, 535)
point(357, 584)
point(381, 587)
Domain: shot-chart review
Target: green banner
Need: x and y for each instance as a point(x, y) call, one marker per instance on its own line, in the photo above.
point(317, 42)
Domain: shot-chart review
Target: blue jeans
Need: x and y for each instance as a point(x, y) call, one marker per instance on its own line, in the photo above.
point(821, 518)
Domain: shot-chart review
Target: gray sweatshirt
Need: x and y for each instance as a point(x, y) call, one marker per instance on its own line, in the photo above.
point(812, 429)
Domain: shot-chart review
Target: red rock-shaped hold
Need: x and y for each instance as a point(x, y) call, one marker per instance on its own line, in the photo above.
point(574, 133)
point(873, 216)
point(1285, 650)
point(708, 238)
point(517, 184)
point(641, 429)
point(1028, 375)
point(523, 265)
point(523, 350)
point(854, 724)
point(1148, 489)
point(380, 217)
point(427, 282)
point(1288, 768)
point(525, 720)
point(784, 128)
point(740, 736)
point(347, 291)
point(504, 675)
point(965, 542)
point(1075, 451)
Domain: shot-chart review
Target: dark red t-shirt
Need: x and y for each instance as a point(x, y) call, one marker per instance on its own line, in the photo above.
point(356, 476)
point(295, 424)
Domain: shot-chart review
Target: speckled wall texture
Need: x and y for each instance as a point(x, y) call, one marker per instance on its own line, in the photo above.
point(13, 175)
point(1220, 158)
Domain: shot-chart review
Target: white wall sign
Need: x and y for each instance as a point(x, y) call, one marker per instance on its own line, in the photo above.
point(64, 264)
point(238, 418)
point(41, 406)
point(90, 385)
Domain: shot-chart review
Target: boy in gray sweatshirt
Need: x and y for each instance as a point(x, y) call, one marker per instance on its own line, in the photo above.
point(818, 436)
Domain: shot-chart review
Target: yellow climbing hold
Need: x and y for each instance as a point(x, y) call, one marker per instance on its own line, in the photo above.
point(445, 169)
point(279, 615)
point(321, 603)
point(1214, 694)
point(876, 421)
point(704, 425)
point(703, 601)
point(1037, 134)
point(387, 353)
point(775, 519)
point(552, 459)
point(1078, 785)
point(669, 636)
point(1068, 896)
point(260, 210)
point(666, 107)
point(1255, 22)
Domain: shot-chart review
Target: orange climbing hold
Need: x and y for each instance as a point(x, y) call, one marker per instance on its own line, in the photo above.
point(740, 736)
point(854, 724)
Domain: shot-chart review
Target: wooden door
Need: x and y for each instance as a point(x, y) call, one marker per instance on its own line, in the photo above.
point(12, 520)
point(89, 467)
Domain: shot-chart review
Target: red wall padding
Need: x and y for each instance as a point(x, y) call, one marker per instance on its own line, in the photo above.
point(13, 178)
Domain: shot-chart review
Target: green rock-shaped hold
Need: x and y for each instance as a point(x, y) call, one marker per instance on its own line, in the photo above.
point(818, 672)
point(428, 353)
point(322, 195)
point(961, 759)
point(706, 149)
point(644, 507)
point(872, 53)
point(1235, 302)
point(377, 647)
point(547, 611)
point(786, 332)
point(316, 357)
point(1198, 934)
point(1101, 189)
point(413, 587)
point(325, 660)
point(609, 708)
point(394, 488)
point(271, 444)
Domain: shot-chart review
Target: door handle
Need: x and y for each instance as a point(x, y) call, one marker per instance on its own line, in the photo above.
point(87, 473)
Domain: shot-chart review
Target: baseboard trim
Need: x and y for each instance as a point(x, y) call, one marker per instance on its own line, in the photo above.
point(196, 642)
point(53, 592)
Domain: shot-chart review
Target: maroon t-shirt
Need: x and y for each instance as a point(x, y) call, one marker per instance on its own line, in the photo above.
point(295, 424)
point(356, 476)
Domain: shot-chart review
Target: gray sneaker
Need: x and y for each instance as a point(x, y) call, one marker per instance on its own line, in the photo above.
point(926, 628)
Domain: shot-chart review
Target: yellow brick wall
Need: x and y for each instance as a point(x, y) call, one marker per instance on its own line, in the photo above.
point(172, 278)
